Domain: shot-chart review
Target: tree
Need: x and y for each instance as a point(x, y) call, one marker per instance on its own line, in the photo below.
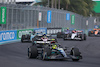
point(90, 6)
point(78, 6)
point(83, 7)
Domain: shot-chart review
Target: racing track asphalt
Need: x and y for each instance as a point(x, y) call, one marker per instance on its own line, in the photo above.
point(15, 55)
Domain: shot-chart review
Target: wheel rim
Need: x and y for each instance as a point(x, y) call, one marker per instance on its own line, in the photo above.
point(29, 54)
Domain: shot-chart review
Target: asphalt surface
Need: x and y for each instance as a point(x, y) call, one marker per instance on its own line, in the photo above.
point(15, 55)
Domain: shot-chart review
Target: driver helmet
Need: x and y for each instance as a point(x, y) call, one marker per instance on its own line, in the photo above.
point(67, 28)
point(54, 46)
point(75, 29)
point(44, 36)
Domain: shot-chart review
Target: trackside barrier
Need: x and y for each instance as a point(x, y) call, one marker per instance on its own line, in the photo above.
point(86, 32)
point(53, 30)
point(90, 29)
point(15, 35)
point(8, 35)
point(21, 32)
point(66, 28)
point(40, 30)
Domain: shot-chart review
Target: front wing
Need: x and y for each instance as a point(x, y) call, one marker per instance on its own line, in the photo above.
point(61, 57)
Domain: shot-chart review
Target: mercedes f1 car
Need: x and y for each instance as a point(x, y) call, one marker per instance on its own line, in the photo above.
point(95, 32)
point(74, 35)
point(43, 39)
point(55, 51)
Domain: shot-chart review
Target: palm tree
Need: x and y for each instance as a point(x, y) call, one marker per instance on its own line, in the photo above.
point(55, 3)
point(67, 3)
point(78, 6)
point(59, 4)
point(90, 6)
point(52, 3)
point(83, 7)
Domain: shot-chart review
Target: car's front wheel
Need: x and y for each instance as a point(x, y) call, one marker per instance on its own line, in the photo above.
point(75, 52)
point(32, 51)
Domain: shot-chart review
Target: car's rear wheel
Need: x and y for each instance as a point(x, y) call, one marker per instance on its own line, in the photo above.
point(64, 37)
point(81, 36)
point(32, 51)
point(84, 36)
point(58, 35)
point(22, 38)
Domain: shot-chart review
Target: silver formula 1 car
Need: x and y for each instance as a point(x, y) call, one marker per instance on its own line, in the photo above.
point(43, 39)
point(54, 51)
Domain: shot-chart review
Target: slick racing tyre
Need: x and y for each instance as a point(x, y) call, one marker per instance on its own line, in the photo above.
point(84, 36)
point(32, 52)
point(64, 37)
point(58, 35)
point(22, 38)
point(75, 52)
point(89, 33)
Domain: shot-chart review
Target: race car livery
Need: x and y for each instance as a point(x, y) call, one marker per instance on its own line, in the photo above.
point(54, 51)
point(74, 35)
point(28, 37)
point(43, 39)
point(95, 32)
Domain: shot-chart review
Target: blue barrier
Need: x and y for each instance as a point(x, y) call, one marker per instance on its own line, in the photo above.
point(90, 29)
point(38, 30)
point(8, 35)
point(71, 28)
